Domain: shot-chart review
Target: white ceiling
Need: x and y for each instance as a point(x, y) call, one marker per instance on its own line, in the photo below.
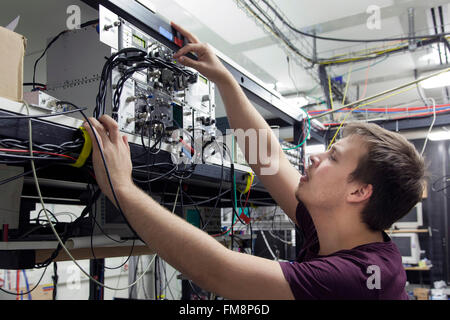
point(229, 29)
point(233, 32)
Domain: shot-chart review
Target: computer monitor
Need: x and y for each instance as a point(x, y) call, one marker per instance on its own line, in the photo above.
point(412, 220)
point(408, 245)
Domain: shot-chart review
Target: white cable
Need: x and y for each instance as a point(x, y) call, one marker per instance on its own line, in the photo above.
point(176, 198)
point(268, 247)
point(280, 239)
point(53, 228)
point(382, 93)
point(431, 126)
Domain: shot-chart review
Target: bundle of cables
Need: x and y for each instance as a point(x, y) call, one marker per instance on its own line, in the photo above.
point(130, 61)
point(16, 151)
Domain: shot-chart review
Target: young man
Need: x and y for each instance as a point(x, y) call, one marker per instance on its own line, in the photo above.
point(347, 197)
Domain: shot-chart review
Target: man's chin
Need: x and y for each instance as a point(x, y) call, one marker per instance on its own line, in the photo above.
point(297, 195)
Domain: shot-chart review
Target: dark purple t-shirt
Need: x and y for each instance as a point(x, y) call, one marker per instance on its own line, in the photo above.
point(370, 271)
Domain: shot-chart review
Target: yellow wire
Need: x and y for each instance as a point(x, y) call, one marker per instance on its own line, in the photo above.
point(365, 104)
point(367, 55)
point(268, 28)
point(367, 51)
point(378, 53)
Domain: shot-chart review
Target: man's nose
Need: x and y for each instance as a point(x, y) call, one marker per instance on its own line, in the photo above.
point(314, 160)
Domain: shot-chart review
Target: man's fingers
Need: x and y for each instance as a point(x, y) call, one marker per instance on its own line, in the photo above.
point(191, 47)
point(96, 130)
point(111, 126)
point(191, 38)
point(188, 62)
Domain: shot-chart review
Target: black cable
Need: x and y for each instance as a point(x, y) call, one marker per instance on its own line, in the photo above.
point(221, 183)
point(104, 163)
point(42, 115)
point(134, 286)
point(156, 278)
point(51, 213)
point(68, 146)
point(349, 40)
point(136, 168)
point(167, 282)
point(446, 43)
point(202, 224)
point(51, 43)
point(279, 34)
point(203, 201)
point(29, 291)
point(7, 180)
point(26, 84)
point(94, 219)
point(43, 54)
point(35, 158)
point(194, 290)
point(55, 280)
point(112, 62)
point(68, 233)
point(252, 248)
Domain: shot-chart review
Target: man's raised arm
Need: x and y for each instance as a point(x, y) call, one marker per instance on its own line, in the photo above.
point(262, 149)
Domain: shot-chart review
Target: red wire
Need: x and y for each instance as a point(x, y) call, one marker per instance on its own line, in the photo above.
point(39, 152)
point(245, 205)
point(386, 109)
point(399, 118)
point(18, 284)
point(188, 146)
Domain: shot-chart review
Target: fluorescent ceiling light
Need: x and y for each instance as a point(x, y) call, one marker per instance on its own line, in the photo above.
point(442, 80)
point(298, 101)
point(439, 135)
point(435, 55)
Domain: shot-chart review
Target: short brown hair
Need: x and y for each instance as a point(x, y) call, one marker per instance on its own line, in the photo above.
point(395, 170)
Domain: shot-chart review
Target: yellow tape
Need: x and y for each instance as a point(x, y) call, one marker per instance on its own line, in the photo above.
point(85, 152)
point(250, 178)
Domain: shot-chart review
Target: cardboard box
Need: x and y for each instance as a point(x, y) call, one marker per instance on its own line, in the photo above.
point(421, 293)
point(12, 52)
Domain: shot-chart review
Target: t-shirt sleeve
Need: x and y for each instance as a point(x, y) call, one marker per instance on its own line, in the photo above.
point(320, 279)
point(305, 222)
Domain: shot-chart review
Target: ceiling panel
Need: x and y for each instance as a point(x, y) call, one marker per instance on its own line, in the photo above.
point(231, 31)
point(306, 13)
point(224, 18)
point(273, 60)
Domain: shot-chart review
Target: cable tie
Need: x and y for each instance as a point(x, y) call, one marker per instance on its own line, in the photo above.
point(250, 178)
point(85, 151)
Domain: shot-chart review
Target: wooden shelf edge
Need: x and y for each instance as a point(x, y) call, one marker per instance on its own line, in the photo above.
point(100, 253)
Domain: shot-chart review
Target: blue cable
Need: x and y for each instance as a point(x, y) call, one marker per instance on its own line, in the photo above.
point(26, 283)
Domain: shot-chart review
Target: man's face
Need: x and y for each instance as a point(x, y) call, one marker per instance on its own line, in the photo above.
point(326, 183)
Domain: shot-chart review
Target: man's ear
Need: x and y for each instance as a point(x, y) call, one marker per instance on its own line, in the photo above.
point(360, 193)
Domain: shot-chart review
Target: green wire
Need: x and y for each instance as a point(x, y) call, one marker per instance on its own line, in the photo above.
point(304, 140)
point(234, 184)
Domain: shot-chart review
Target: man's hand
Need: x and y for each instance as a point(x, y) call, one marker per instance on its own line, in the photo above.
point(207, 64)
point(116, 152)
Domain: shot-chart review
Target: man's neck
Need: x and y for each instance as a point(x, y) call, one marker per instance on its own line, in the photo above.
point(342, 232)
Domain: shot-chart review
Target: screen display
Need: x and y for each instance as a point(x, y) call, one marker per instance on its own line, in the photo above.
point(411, 216)
point(138, 41)
point(166, 33)
point(404, 245)
point(203, 79)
